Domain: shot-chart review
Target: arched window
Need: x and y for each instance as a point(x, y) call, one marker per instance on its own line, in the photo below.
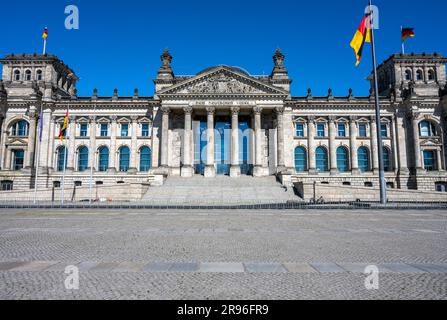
point(431, 75)
point(82, 158)
point(61, 158)
point(19, 156)
point(427, 129)
point(363, 157)
point(321, 159)
point(145, 159)
point(387, 159)
point(28, 75)
point(103, 160)
point(124, 159)
point(408, 75)
point(429, 160)
point(39, 76)
point(17, 75)
point(300, 159)
point(419, 75)
point(20, 129)
point(342, 159)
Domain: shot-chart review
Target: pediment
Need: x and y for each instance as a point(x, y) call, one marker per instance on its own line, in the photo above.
point(222, 81)
point(17, 142)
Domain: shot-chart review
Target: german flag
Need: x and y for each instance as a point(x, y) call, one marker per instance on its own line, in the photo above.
point(45, 34)
point(362, 36)
point(407, 33)
point(64, 127)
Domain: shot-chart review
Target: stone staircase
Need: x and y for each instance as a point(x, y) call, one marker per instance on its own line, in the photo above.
point(221, 190)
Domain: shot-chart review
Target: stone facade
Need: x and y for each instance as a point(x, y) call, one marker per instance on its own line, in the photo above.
point(223, 121)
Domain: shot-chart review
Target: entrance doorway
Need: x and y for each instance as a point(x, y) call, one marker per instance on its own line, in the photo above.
point(200, 142)
point(222, 145)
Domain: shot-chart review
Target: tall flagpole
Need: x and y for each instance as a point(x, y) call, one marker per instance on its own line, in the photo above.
point(67, 134)
point(403, 44)
point(45, 41)
point(39, 147)
point(383, 196)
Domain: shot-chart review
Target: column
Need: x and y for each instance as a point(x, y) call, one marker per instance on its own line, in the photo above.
point(113, 151)
point(210, 169)
point(401, 143)
point(91, 158)
point(164, 136)
point(311, 144)
point(374, 147)
point(257, 172)
point(51, 147)
point(439, 159)
point(46, 138)
point(280, 137)
point(417, 145)
point(134, 145)
point(1, 141)
point(235, 170)
point(332, 145)
point(29, 160)
point(72, 147)
point(353, 142)
point(394, 144)
point(187, 170)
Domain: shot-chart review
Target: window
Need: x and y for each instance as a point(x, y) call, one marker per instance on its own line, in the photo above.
point(145, 130)
point(320, 130)
point(28, 75)
point(300, 159)
point(390, 185)
point(82, 159)
point(61, 158)
point(99, 183)
point(384, 130)
point(299, 130)
point(17, 75)
point(419, 75)
point(19, 156)
point(124, 159)
point(427, 129)
point(342, 159)
point(363, 158)
point(321, 159)
point(39, 76)
point(369, 184)
point(20, 129)
point(362, 131)
point(408, 75)
point(104, 130)
point(386, 160)
point(78, 183)
point(429, 160)
point(83, 130)
point(7, 185)
point(56, 184)
point(341, 130)
point(431, 75)
point(103, 160)
point(145, 159)
point(124, 130)
point(441, 186)
point(346, 183)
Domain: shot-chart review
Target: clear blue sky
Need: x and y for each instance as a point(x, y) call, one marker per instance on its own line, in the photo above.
point(119, 42)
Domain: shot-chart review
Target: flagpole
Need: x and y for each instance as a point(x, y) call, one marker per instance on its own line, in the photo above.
point(67, 134)
point(44, 46)
point(38, 158)
point(382, 182)
point(403, 44)
point(93, 154)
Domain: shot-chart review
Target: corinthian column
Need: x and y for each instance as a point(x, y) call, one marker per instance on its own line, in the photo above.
point(353, 143)
point(280, 138)
point(311, 143)
point(235, 170)
point(210, 169)
point(91, 159)
point(113, 151)
point(417, 145)
point(29, 160)
point(72, 147)
point(187, 168)
point(164, 136)
point(332, 144)
point(257, 172)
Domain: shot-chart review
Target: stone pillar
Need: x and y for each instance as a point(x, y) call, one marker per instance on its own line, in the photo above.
point(353, 142)
point(280, 136)
point(210, 169)
point(401, 139)
point(374, 146)
point(8, 156)
point(257, 172)
point(45, 145)
point(417, 145)
point(29, 159)
point(51, 148)
point(187, 168)
point(113, 152)
point(2, 148)
point(164, 137)
point(235, 170)
point(134, 145)
point(332, 145)
point(311, 144)
point(439, 159)
point(394, 144)
point(92, 153)
point(72, 147)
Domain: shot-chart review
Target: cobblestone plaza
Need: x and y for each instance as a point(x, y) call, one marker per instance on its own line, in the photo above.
point(304, 254)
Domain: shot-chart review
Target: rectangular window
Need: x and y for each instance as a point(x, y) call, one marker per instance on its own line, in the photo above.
point(83, 130)
point(104, 130)
point(341, 130)
point(384, 130)
point(124, 130)
point(320, 130)
point(362, 131)
point(299, 130)
point(145, 130)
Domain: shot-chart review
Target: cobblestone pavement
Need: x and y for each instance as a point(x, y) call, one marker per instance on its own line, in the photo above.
point(223, 255)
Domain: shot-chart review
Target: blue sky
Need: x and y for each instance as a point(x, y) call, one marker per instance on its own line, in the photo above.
point(119, 42)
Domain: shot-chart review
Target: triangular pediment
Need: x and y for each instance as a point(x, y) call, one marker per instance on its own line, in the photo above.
point(222, 80)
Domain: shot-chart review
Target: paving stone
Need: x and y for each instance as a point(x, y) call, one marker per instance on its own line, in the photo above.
point(401, 268)
point(221, 267)
point(157, 267)
point(184, 267)
point(34, 266)
point(129, 267)
point(299, 268)
point(327, 267)
point(431, 268)
point(264, 267)
point(105, 266)
point(4, 266)
point(86, 265)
